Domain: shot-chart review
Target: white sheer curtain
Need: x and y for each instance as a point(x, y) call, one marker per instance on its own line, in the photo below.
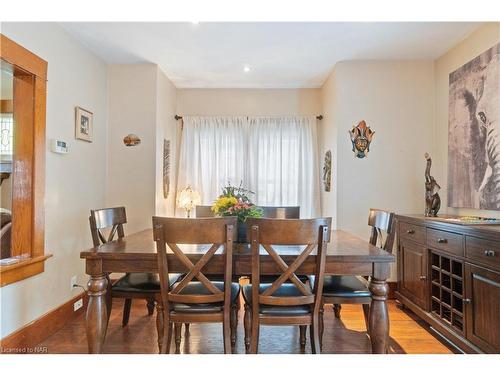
point(276, 157)
point(283, 162)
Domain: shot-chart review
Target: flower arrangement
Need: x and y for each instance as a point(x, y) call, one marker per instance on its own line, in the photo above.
point(234, 201)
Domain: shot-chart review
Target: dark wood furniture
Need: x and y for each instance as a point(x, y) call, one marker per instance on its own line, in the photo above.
point(281, 303)
point(346, 255)
point(140, 285)
point(338, 290)
point(449, 275)
point(201, 301)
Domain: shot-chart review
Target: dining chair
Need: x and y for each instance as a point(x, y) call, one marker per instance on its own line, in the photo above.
point(270, 212)
point(133, 285)
point(338, 290)
point(279, 302)
point(202, 301)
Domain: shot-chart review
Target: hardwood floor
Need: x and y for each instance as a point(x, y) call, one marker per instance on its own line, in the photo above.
point(344, 336)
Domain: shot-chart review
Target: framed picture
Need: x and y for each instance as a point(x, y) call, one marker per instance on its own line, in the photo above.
point(473, 133)
point(84, 124)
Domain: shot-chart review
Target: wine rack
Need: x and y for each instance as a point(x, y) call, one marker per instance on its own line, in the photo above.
point(447, 290)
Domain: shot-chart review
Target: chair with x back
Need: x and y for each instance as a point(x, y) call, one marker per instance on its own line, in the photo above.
point(132, 285)
point(339, 290)
point(282, 302)
point(201, 301)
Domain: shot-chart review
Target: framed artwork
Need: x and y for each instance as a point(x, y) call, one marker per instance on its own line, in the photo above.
point(327, 171)
point(84, 124)
point(474, 133)
point(166, 168)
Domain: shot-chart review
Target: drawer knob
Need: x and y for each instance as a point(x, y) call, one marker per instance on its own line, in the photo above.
point(423, 277)
point(410, 231)
point(489, 253)
point(442, 240)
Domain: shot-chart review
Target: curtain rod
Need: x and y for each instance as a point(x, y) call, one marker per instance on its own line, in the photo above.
point(177, 117)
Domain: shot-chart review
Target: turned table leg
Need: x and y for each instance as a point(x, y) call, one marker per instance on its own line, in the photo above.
point(97, 316)
point(379, 316)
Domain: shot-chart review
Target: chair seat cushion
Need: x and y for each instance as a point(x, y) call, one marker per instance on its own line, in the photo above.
point(269, 279)
point(285, 290)
point(142, 282)
point(196, 287)
point(345, 287)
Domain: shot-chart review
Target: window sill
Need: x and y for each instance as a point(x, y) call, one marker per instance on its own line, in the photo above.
point(22, 270)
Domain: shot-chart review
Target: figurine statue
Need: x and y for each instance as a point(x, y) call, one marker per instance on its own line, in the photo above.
point(432, 199)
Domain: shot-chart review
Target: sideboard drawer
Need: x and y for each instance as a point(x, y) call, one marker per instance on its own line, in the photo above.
point(484, 251)
point(412, 232)
point(447, 241)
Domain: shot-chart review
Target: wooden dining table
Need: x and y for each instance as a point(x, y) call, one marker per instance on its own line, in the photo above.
point(346, 255)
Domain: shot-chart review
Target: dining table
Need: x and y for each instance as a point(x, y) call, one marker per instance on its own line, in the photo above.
point(347, 254)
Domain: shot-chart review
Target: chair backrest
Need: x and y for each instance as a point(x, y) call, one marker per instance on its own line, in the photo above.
point(216, 232)
point(281, 212)
point(204, 211)
point(274, 212)
point(104, 218)
point(313, 233)
point(383, 225)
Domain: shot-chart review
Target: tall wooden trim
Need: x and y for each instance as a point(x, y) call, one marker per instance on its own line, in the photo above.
point(19, 56)
point(28, 234)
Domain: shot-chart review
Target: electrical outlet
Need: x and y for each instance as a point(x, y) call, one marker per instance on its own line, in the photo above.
point(73, 282)
point(78, 304)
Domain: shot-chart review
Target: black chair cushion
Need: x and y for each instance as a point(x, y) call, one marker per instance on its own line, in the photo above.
point(344, 287)
point(269, 279)
point(285, 290)
point(142, 282)
point(196, 287)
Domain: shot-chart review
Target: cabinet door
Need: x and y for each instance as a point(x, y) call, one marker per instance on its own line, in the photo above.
point(413, 272)
point(483, 308)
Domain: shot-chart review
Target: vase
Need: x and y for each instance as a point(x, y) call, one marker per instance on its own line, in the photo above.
point(242, 232)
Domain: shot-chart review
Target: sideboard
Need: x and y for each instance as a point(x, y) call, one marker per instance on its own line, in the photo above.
point(449, 275)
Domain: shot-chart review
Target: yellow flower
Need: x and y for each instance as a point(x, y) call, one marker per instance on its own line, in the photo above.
point(223, 203)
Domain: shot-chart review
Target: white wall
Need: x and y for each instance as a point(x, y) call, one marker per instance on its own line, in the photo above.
point(166, 128)
point(396, 99)
point(131, 170)
point(479, 41)
point(252, 102)
point(75, 182)
point(142, 101)
point(327, 140)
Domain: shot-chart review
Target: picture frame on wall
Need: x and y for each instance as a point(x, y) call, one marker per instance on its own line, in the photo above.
point(84, 124)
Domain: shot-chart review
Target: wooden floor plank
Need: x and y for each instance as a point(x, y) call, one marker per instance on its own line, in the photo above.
point(344, 336)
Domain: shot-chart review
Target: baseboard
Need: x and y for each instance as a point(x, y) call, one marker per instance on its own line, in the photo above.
point(26, 338)
point(393, 287)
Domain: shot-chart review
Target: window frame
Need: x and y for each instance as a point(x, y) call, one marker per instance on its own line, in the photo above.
point(28, 225)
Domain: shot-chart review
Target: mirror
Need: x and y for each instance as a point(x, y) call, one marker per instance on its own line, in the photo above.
point(6, 156)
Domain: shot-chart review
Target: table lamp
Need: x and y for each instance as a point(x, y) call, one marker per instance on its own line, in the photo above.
point(188, 198)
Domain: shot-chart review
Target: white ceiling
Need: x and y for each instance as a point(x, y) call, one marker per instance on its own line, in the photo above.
point(280, 55)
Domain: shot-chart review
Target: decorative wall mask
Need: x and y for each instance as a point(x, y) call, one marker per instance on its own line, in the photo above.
point(131, 140)
point(166, 168)
point(474, 133)
point(361, 136)
point(432, 199)
point(327, 170)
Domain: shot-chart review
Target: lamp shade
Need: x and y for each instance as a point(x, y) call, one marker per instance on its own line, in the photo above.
point(188, 198)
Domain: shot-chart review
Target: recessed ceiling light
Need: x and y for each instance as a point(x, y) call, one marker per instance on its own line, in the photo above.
point(246, 68)
point(195, 22)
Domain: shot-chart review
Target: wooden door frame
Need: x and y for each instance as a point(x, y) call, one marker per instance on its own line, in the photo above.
point(28, 64)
